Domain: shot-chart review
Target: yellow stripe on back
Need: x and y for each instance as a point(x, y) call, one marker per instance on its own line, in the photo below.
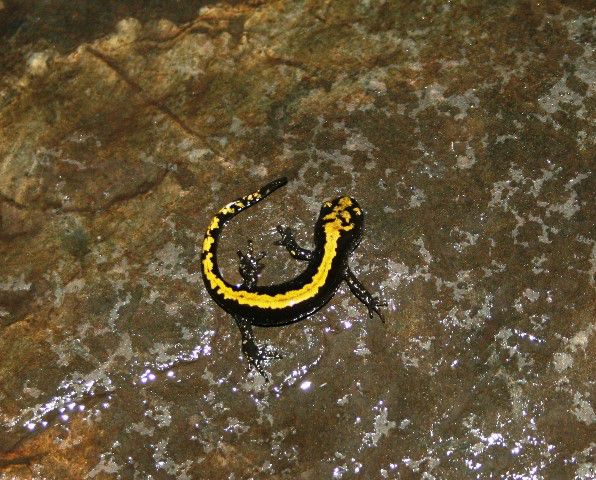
point(281, 300)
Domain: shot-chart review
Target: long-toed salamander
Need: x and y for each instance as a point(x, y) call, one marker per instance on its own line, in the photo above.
point(337, 233)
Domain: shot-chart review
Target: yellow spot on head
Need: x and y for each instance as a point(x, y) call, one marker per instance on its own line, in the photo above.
point(340, 218)
point(345, 202)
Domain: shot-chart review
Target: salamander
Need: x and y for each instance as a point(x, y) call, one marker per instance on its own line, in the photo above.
point(337, 233)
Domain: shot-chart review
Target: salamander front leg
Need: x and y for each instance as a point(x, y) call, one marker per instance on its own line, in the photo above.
point(287, 240)
point(364, 296)
point(255, 355)
point(250, 267)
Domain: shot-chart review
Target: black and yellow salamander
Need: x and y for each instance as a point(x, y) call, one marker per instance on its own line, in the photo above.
point(337, 233)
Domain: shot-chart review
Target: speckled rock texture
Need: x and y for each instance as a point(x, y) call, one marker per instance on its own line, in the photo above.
point(466, 131)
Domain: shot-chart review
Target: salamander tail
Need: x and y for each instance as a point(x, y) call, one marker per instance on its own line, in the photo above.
point(229, 211)
point(234, 208)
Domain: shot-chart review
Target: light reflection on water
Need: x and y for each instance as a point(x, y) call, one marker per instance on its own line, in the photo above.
point(80, 392)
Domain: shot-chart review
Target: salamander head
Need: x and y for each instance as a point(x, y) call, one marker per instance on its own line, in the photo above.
point(342, 216)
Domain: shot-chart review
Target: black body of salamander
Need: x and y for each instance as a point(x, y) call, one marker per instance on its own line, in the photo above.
point(337, 233)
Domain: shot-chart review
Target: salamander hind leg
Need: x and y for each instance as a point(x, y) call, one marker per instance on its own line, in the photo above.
point(250, 267)
point(255, 355)
point(289, 242)
point(364, 295)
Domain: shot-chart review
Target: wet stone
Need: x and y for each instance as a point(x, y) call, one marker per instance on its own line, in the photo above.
point(464, 131)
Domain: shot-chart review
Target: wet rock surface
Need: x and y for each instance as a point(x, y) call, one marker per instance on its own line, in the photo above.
point(464, 130)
